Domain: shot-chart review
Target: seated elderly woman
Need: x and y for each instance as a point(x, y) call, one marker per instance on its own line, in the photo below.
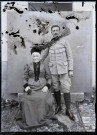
point(37, 104)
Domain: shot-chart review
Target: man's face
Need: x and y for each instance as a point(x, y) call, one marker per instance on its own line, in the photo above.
point(36, 57)
point(55, 31)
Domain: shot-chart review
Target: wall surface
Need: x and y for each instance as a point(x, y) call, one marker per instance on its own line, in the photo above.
point(25, 28)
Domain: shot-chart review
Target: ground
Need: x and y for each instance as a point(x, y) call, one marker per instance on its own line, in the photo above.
point(84, 113)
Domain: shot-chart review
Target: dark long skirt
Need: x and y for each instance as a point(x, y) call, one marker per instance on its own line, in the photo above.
point(36, 110)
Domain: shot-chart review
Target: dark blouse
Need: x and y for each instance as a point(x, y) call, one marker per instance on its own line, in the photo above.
point(38, 73)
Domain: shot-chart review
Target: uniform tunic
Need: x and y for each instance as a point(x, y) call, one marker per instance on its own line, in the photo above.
point(60, 62)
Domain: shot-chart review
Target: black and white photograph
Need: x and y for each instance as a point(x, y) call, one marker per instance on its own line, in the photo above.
point(48, 66)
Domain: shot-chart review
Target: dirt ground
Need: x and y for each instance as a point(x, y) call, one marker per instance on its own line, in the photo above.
point(84, 113)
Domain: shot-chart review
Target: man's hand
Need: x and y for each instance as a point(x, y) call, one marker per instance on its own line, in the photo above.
point(45, 89)
point(70, 73)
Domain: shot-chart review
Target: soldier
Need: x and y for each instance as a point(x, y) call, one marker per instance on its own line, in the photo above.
point(61, 68)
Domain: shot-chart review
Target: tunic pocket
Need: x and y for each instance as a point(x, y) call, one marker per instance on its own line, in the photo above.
point(51, 51)
point(66, 66)
point(52, 55)
point(60, 50)
point(50, 64)
point(65, 63)
point(60, 53)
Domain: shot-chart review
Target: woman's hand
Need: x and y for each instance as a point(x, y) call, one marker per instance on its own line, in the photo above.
point(28, 90)
point(45, 89)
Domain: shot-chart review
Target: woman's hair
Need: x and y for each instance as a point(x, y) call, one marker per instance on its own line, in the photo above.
point(35, 49)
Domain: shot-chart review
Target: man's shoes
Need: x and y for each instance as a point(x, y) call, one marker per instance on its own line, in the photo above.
point(70, 114)
point(67, 102)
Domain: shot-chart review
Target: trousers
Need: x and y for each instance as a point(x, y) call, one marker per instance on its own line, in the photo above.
point(61, 80)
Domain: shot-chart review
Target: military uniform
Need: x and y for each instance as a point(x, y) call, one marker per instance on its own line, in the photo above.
point(61, 61)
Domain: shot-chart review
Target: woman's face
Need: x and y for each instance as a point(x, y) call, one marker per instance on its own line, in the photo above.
point(36, 57)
